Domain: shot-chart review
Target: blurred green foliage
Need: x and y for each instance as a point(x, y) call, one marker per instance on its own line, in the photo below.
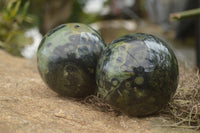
point(78, 15)
point(18, 15)
point(13, 17)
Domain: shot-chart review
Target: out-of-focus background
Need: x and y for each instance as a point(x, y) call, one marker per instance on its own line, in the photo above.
point(24, 22)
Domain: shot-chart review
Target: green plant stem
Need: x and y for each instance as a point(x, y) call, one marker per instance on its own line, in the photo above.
point(185, 14)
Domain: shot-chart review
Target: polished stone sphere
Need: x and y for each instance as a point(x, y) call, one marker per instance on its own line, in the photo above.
point(137, 74)
point(67, 58)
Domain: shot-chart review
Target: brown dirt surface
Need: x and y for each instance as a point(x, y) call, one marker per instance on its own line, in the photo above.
point(27, 105)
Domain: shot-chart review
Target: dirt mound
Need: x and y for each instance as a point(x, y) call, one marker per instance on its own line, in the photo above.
point(27, 105)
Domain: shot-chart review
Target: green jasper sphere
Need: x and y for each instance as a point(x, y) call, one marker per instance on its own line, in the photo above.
point(137, 74)
point(67, 57)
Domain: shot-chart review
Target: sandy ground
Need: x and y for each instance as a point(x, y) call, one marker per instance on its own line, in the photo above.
point(28, 106)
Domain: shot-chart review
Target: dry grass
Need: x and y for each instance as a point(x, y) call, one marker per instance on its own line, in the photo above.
point(98, 104)
point(185, 105)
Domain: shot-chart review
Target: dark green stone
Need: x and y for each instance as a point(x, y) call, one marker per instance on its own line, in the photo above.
point(67, 59)
point(137, 74)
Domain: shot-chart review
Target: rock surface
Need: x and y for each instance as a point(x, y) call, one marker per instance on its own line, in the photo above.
point(28, 106)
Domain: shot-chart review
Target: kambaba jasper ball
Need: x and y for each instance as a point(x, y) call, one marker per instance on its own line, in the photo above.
point(67, 57)
point(137, 74)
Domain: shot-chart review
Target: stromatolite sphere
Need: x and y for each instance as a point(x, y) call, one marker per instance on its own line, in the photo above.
point(137, 74)
point(67, 57)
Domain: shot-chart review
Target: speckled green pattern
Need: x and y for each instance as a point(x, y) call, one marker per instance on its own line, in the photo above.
point(137, 74)
point(67, 57)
